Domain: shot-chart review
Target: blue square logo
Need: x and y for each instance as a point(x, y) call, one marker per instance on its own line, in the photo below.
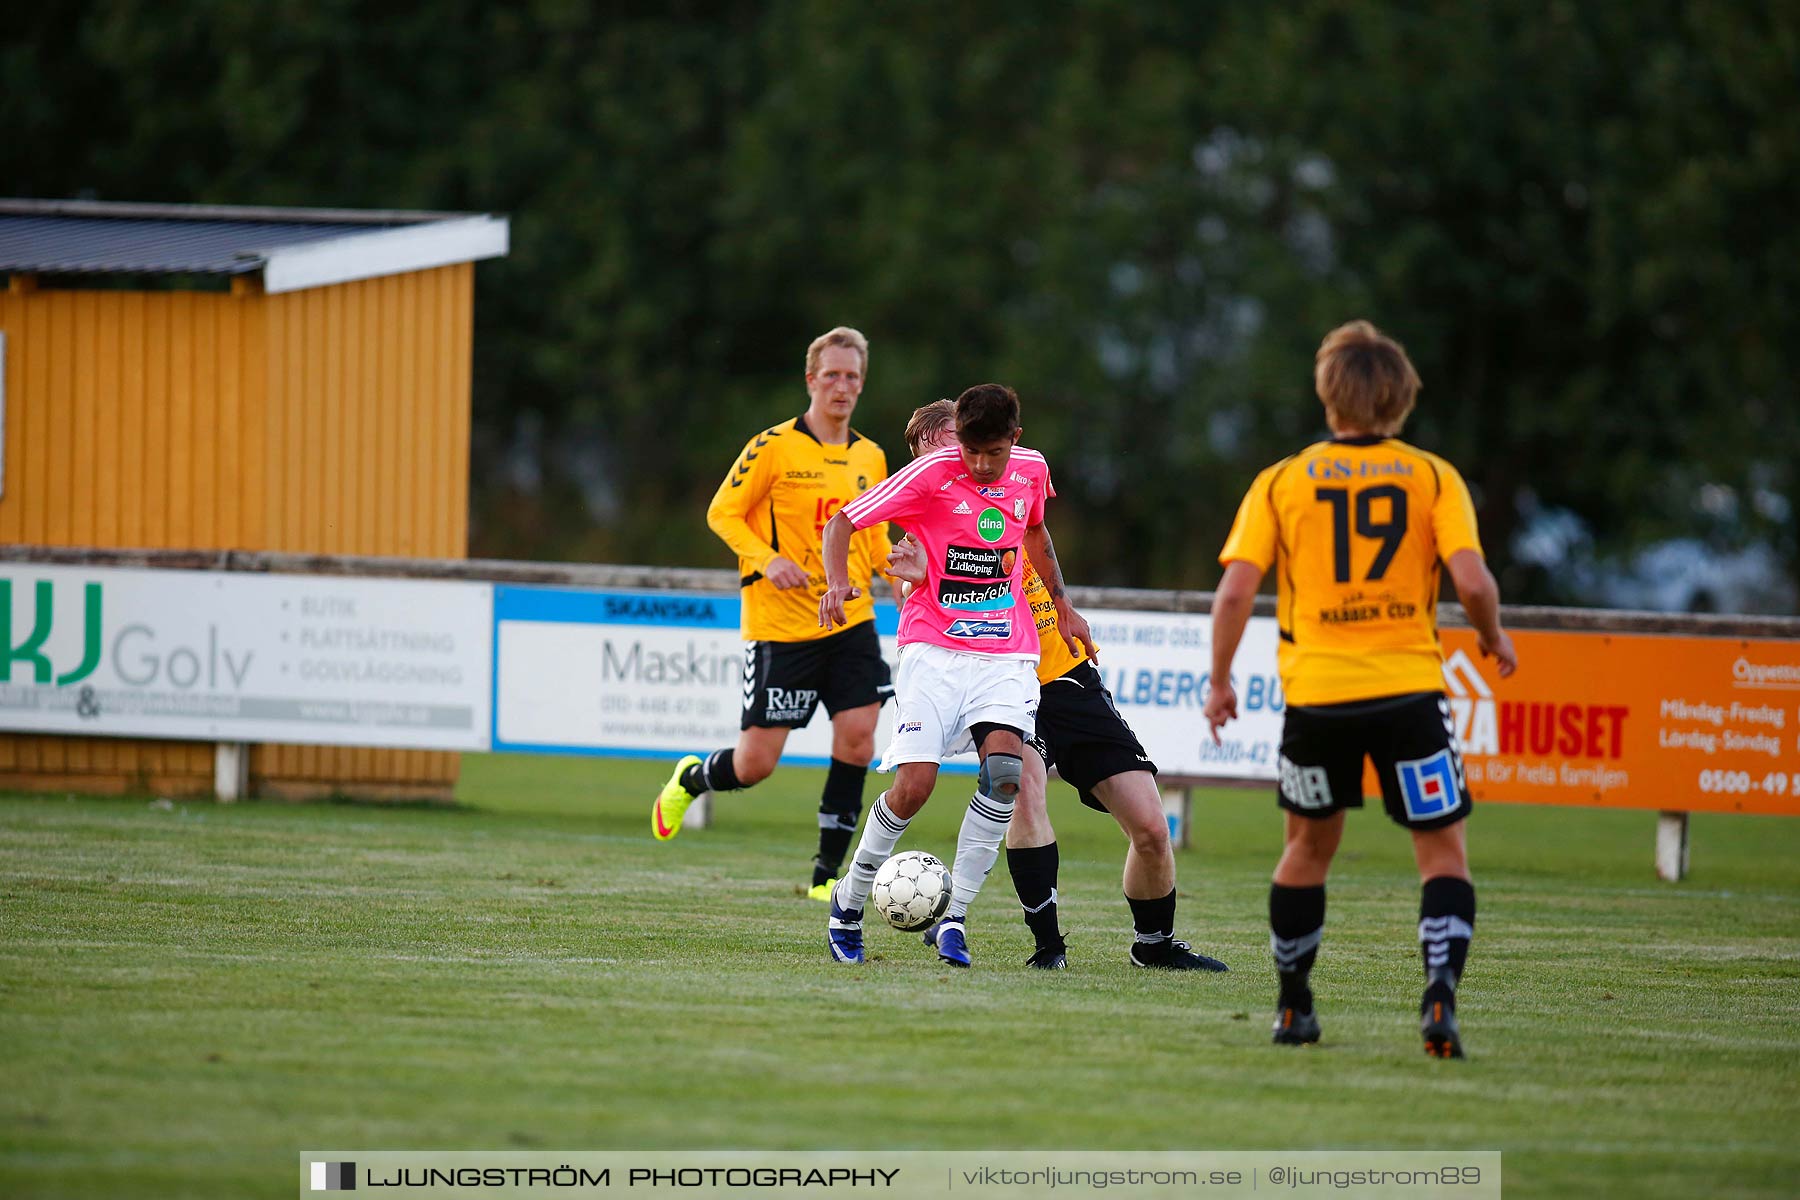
point(1428, 785)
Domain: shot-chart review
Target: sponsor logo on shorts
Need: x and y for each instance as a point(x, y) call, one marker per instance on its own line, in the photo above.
point(992, 493)
point(973, 630)
point(962, 509)
point(788, 704)
point(1305, 787)
point(982, 597)
point(975, 562)
point(1429, 785)
point(991, 524)
point(910, 727)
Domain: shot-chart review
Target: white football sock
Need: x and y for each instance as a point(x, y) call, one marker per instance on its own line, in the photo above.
point(977, 848)
point(880, 832)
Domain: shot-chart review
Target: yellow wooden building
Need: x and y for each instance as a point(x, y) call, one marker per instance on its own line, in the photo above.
point(236, 378)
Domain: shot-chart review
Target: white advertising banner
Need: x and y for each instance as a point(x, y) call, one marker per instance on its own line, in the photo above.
point(645, 673)
point(632, 674)
point(218, 656)
point(1158, 666)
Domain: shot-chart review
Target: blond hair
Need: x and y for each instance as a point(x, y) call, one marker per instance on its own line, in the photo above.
point(928, 421)
point(843, 336)
point(1365, 379)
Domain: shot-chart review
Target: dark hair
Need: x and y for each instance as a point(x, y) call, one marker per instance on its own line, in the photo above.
point(987, 412)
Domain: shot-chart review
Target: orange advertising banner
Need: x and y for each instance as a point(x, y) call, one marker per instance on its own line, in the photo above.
point(1631, 721)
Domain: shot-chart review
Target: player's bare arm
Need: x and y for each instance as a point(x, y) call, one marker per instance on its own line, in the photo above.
point(1480, 597)
point(1233, 603)
point(1071, 624)
point(839, 591)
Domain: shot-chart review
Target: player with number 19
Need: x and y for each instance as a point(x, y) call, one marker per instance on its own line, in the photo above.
point(1359, 529)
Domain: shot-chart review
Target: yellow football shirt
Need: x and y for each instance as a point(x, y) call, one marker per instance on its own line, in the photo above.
point(1054, 657)
point(1356, 530)
point(779, 494)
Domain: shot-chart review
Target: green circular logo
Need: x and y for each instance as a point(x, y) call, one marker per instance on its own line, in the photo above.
point(991, 524)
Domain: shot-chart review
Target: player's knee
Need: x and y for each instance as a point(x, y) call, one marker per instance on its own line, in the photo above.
point(860, 751)
point(1150, 839)
point(1000, 775)
point(904, 801)
point(753, 767)
point(1309, 857)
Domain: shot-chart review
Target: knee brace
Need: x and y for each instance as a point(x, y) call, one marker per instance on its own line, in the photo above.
point(1000, 775)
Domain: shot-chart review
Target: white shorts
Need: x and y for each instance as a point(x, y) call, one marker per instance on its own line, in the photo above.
point(939, 693)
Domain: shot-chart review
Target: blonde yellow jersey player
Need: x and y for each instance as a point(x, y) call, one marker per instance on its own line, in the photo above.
point(1358, 530)
point(771, 509)
point(1081, 733)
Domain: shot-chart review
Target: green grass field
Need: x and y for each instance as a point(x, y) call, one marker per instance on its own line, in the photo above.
point(191, 994)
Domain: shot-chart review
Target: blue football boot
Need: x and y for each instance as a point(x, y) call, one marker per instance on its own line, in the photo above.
point(843, 932)
point(952, 945)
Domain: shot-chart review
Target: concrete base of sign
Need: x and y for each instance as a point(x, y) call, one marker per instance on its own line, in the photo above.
point(1672, 846)
point(1178, 807)
point(699, 813)
point(231, 771)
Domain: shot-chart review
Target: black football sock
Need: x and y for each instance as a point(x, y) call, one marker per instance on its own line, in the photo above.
point(839, 807)
point(1296, 923)
point(1446, 926)
point(1154, 920)
point(1033, 870)
point(711, 774)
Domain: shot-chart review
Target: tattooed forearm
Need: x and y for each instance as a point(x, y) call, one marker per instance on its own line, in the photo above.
point(1043, 557)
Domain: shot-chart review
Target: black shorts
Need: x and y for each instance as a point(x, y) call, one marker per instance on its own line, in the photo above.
point(1082, 735)
point(1408, 737)
point(784, 682)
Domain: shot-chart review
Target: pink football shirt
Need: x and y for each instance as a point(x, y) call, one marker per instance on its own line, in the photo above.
point(973, 535)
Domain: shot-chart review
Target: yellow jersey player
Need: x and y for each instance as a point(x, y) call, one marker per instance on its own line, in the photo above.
point(1084, 737)
point(771, 509)
point(1358, 529)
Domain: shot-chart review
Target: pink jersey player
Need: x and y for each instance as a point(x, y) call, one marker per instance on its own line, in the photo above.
point(973, 538)
point(968, 646)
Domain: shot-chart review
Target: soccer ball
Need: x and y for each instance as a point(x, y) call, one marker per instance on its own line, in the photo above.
point(912, 889)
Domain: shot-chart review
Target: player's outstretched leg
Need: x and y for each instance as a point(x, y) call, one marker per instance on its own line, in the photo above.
point(977, 848)
point(1033, 860)
point(672, 802)
point(1034, 870)
point(1135, 803)
point(1296, 924)
point(1446, 926)
point(839, 808)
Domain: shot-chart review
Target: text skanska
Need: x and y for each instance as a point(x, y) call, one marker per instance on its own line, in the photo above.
point(673, 609)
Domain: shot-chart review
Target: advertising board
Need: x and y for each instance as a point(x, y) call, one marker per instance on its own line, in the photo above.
point(218, 656)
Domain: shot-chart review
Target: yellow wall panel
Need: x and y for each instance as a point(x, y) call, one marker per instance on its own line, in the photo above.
point(332, 420)
point(130, 421)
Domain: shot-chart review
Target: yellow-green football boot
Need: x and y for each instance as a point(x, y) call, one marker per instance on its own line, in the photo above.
point(672, 802)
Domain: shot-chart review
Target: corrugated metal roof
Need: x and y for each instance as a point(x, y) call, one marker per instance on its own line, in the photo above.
point(293, 248)
point(81, 245)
